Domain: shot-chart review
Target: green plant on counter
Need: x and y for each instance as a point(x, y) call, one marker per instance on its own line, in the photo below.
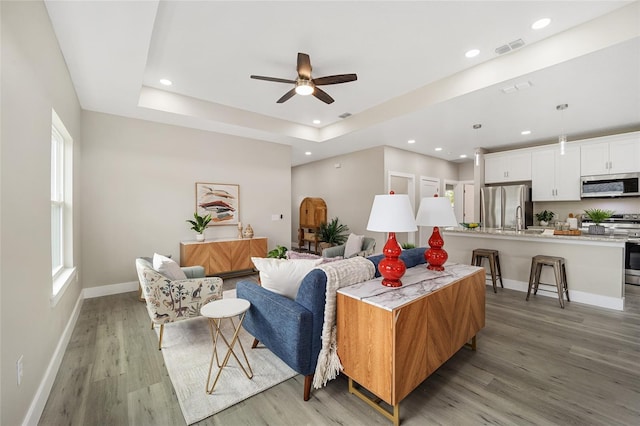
point(279, 252)
point(200, 223)
point(407, 246)
point(598, 215)
point(545, 216)
point(333, 232)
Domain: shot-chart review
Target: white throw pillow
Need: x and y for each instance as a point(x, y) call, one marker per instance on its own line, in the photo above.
point(283, 276)
point(168, 267)
point(353, 245)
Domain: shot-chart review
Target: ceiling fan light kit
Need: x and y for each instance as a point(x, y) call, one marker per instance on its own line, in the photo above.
point(305, 85)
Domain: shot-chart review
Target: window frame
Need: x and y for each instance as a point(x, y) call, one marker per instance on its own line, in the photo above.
point(64, 272)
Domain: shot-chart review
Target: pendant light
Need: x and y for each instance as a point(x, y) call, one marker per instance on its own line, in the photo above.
point(562, 139)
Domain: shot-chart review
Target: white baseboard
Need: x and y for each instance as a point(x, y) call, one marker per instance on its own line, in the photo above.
point(44, 389)
point(107, 290)
point(600, 301)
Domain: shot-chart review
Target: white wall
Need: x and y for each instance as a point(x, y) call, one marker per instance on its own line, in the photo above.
point(348, 190)
point(138, 189)
point(34, 79)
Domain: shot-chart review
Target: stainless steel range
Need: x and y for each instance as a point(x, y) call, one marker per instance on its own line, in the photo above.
point(624, 225)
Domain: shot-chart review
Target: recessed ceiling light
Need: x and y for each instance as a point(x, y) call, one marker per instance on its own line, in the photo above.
point(317, 121)
point(411, 141)
point(165, 82)
point(463, 155)
point(472, 53)
point(540, 23)
point(438, 149)
point(307, 153)
point(525, 132)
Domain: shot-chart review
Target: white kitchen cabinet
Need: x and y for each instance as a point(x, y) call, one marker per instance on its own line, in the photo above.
point(611, 155)
point(554, 176)
point(512, 166)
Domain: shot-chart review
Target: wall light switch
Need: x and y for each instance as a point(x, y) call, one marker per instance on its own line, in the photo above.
point(276, 216)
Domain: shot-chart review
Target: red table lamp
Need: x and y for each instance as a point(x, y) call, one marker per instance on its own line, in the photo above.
point(436, 211)
point(392, 213)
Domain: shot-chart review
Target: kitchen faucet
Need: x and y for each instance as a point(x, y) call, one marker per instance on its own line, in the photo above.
point(519, 218)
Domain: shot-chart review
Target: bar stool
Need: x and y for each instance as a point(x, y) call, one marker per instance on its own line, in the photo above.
point(494, 264)
point(560, 273)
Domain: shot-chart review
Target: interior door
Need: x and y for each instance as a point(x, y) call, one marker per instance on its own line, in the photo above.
point(428, 188)
point(468, 198)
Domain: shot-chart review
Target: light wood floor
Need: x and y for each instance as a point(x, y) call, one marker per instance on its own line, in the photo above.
point(536, 364)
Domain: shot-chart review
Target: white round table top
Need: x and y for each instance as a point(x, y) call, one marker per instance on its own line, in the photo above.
point(225, 308)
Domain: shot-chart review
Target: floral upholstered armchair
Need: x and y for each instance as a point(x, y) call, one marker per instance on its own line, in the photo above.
point(174, 300)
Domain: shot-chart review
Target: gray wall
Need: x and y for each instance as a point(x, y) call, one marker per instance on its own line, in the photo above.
point(347, 190)
point(34, 79)
point(350, 189)
point(138, 189)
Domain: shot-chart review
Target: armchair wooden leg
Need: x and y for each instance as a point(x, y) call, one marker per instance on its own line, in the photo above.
point(307, 386)
point(160, 340)
point(255, 343)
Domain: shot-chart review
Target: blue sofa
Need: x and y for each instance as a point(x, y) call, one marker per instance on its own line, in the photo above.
point(292, 329)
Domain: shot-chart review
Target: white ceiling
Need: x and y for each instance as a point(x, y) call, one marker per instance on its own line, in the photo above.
point(414, 81)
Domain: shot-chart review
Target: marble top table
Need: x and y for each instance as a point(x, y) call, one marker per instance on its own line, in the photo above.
point(416, 282)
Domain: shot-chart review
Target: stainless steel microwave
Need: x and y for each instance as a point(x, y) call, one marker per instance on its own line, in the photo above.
point(623, 185)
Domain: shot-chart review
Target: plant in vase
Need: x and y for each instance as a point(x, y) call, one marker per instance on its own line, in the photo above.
point(199, 224)
point(598, 216)
point(332, 233)
point(544, 217)
point(279, 252)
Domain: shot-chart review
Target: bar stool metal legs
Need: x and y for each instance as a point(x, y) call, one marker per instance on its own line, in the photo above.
point(560, 275)
point(494, 264)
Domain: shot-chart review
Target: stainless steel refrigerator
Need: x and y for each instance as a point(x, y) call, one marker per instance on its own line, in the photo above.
point(499, 206)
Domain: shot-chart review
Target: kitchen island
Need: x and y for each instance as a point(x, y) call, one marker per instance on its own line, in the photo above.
point(595, 263)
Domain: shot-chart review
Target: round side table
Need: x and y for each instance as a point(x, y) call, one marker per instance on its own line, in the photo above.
point(216, 311)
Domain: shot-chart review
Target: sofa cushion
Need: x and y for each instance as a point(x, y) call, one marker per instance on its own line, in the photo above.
point(168, 267)
point(283, 276)
point(353, 245)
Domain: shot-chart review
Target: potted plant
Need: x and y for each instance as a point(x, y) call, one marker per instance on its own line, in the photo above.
point(279, 252)
point(598, 216)
point(332, 233)
point(544, 217)
point(199, 225)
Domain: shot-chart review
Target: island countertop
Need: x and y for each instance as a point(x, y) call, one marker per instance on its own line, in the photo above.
point(595, 263)
point(537, 235)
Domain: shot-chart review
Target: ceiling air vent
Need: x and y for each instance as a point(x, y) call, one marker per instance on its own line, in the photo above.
point(516, 44)
point(345, 115)
point(503, 49)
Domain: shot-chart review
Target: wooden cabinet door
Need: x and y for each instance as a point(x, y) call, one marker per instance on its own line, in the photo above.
point(624, 155)
point(567, 175)
point(543, 175)
point(594, 159)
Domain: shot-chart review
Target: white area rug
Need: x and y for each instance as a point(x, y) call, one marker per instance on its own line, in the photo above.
point(187, 348)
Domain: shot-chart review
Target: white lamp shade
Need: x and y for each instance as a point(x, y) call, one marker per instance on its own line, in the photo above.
point(391, 213)
point(436, 211)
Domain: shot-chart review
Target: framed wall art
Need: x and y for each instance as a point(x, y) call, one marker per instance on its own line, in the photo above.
point(220, 200)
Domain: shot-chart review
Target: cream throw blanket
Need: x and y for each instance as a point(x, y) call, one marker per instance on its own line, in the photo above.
point(339, 274)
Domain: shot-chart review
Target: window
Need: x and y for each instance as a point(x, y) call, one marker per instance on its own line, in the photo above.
point(57, 201)
point(62, 269)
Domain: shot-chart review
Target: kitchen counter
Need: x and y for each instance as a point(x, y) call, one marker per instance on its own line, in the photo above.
point(537, 235)
point(595, 263)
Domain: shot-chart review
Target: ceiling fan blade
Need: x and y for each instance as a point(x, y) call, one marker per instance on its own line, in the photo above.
point(287, 96)
point(322, 95)
point(277, 80)
point(304, 66)
point(334, 79)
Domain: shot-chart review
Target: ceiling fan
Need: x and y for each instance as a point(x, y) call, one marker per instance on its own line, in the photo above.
point(305, 85)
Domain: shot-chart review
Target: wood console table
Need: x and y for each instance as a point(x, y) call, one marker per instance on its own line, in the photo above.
point(391, 339)
point(224, 255)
